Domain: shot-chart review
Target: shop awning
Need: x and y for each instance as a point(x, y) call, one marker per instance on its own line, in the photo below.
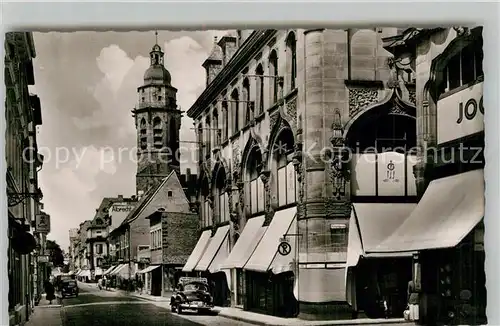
point(109, 270)
point(84, 273)
point(217, 251)
point(148, 269)
point(266, 256)
point(122, 271)
point(198, 250)
point(372, 223)
point(448, 211)
point(246, 244)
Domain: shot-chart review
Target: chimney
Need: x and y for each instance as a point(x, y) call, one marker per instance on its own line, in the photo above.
point(229, 46)
point(213, 64)
point(120, 197)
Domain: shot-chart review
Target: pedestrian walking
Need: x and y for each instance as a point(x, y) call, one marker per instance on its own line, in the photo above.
point(99, 283)
point(413, 300)
point(49, 291)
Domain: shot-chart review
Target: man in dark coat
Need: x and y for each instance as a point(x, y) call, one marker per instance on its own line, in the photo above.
point(49, 291)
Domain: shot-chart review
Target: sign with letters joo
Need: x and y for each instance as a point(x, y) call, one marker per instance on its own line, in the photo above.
point(460, 114)
point(42, 223)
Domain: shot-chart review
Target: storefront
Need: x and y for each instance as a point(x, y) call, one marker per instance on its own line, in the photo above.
point(240, 254)
point(372, 279)
point(209, 266)
point(152, 278)
point(270, 281)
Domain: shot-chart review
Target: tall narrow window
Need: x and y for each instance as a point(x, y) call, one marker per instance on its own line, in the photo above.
point(201, 143)
point(225, 123)
point(246, 103)
point(235, 110)
point(205, 205)
point(286, 180)
point(157, 133)
point(143, 137)
point(291, 49)
point(221, 197)
point(174, 138)
point(273, 69)
point(216, 130)
point(208, 126)
point(260, 88)
point(254, 185)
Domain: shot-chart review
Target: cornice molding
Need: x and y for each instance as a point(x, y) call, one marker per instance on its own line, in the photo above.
point(244, 54)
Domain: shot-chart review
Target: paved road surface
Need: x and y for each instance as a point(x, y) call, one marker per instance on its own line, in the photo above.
point(107, 308)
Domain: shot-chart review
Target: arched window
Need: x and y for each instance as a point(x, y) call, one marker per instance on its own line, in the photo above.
point(260, 88)
point(221, 197)
point(383, 133)
point(206, 211)
point(291, 51)
point(225, 115)
point(143, 136)
point(284, 171)
point(235, 110)
point(246, 103)
point(254, 184)
point(273, 69)
point(157, 132)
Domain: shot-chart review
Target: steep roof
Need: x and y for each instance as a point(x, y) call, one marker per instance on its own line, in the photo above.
point(157, 197)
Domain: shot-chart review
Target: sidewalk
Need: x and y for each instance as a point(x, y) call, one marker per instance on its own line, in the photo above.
point(261, 319)
point(46, 314)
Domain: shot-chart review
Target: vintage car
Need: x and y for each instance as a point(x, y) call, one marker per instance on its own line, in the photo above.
point(69, 288)
point(192, 294)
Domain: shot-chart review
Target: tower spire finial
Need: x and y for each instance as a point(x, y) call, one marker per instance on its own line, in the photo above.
point(156, 36)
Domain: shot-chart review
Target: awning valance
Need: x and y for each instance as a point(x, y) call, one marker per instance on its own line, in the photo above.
point(198, 251)
point(448, 211)
point(320, 285)
point(372, 223)
point(246, 244)
point(216, 252)
point(148, 269)
point(266, 256)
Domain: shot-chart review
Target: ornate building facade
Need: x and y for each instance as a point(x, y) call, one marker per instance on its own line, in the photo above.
point(27, 234)
point(445, 232)
point(283, 126)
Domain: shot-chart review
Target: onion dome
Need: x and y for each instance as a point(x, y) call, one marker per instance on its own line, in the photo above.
point(157, 73)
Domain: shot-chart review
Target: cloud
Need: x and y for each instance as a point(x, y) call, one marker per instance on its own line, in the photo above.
point(87, 83)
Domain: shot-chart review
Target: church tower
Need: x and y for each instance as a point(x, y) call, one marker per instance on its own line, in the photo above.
point(158, 122)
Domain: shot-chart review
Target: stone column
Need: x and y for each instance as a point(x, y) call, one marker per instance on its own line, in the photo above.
point(324, 70)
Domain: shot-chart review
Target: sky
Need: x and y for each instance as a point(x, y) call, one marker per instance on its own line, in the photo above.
point(87, 83)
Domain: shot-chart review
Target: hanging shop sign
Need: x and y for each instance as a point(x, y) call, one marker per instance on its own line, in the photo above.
point(460, 114)
point(42, 223)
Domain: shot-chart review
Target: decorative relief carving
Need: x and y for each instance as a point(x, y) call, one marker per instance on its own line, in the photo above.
point(413, 98)
point(360, 98)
